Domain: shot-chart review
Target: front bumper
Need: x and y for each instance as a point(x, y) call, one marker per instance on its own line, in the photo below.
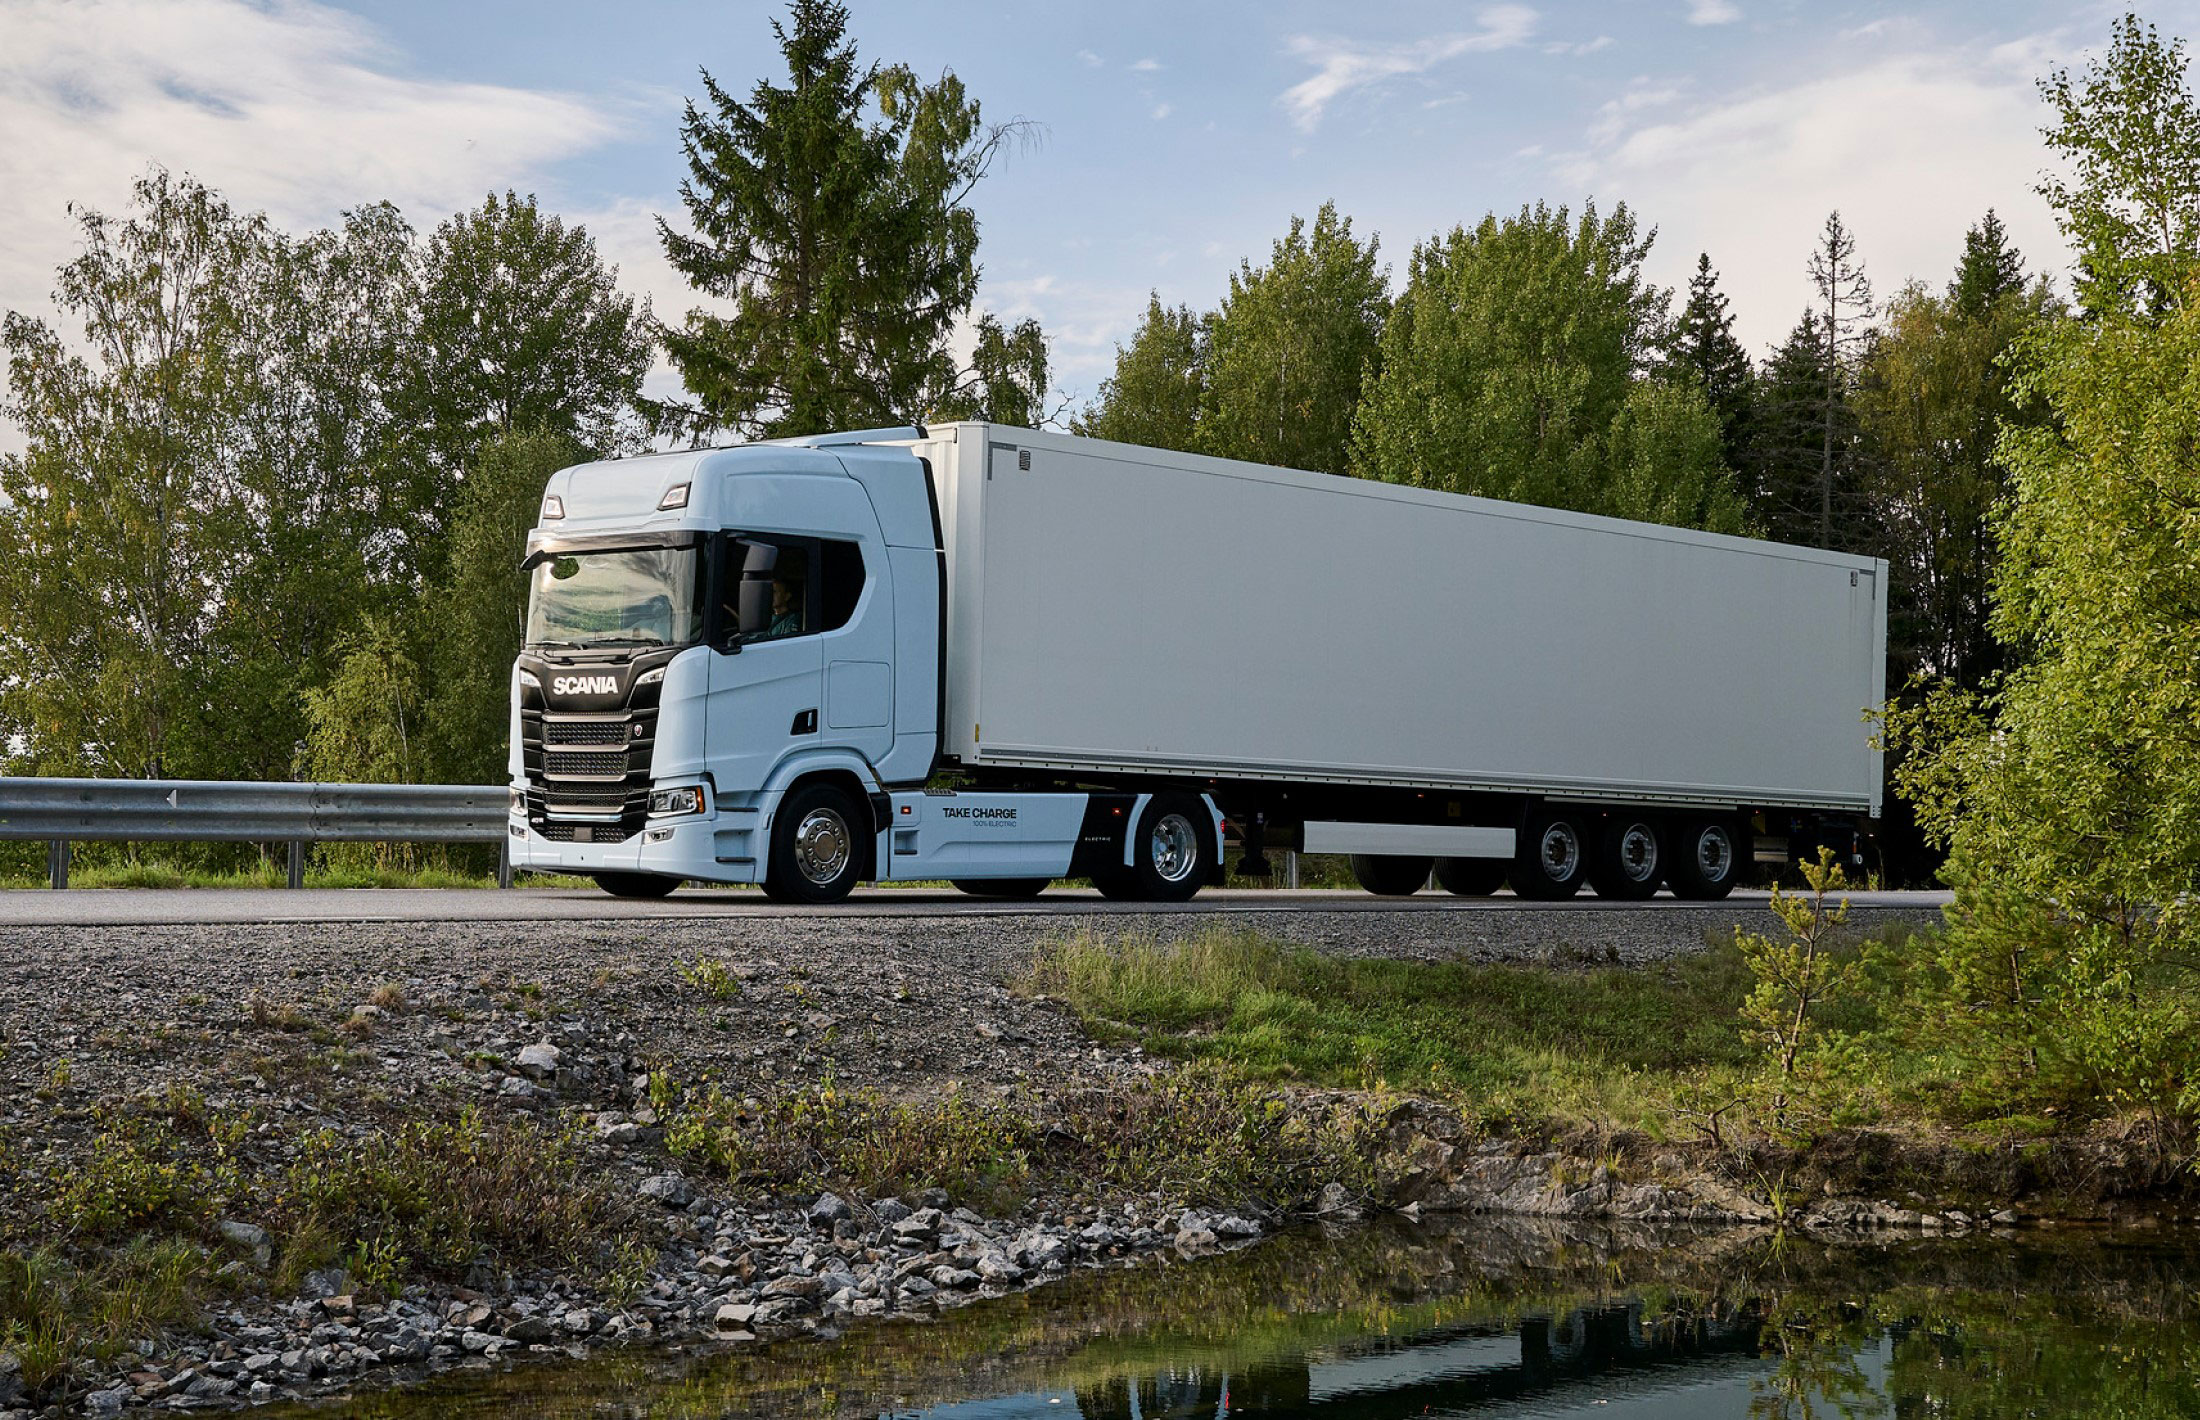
point(723, 846)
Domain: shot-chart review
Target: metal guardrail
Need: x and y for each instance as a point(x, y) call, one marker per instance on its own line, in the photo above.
point(62, 811)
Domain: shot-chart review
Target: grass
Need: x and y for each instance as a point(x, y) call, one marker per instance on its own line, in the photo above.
point(1605, 1044)
point(270, 874)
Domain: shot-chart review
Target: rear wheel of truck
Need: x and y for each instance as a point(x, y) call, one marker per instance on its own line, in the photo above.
point(817, 847)
point(1630, 859)
point(1709, 857)
point(636, 884)
point(1553, 857)
point(1001, 887)
point(1172, 849)
point(1470, 877)
point(1388, 876)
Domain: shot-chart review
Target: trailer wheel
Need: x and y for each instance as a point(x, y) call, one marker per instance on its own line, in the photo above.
point(1171, 850)
point(1630, 859)
point(637, 884)
point(1387, 875)
point(817, 848)
point(1470, 877)
point(1552, 859)
point(1709, 857)
point(1001, 887)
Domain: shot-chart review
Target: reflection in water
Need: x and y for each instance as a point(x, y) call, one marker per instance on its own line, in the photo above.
point(1474, 1317)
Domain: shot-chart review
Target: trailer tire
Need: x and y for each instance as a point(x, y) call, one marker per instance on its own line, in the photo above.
point(817, 852)
point(1172, 849)
point(637, 884)
point(1387, 875)
point(1552, 859)
point(1630, 858)
point(1001, 887)
point(1708, 859)
point(1470, 877)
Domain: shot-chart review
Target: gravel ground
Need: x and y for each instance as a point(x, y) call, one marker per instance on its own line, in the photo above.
point(567, 1020)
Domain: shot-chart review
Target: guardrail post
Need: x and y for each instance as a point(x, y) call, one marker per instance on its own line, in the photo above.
point(57, 863)
point(504, 862)
point(1290, 867)
point(297, 863)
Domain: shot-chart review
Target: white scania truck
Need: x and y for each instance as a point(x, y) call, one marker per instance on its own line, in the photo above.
point(1002, 657)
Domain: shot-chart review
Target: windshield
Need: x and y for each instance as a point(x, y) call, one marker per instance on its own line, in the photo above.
point(637, 597)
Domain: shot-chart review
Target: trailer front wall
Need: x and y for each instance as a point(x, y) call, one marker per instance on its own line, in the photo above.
point(1115, 607)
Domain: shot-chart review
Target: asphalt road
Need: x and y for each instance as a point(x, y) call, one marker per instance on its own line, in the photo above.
point(133, 907)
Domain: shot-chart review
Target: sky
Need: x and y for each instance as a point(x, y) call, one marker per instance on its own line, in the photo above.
point(1171, 138)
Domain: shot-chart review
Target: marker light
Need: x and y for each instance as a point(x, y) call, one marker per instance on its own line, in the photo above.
point(675, 497)
point(553, 508)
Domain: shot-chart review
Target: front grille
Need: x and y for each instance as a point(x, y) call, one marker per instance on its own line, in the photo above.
point(589, 766)
point(602, 763)
point(586, 732)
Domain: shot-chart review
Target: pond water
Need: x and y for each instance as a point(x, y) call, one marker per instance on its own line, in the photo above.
point(1481, 1317)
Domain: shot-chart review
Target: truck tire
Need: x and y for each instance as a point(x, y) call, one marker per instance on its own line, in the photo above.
point(1630, 858)
point(1553, 856)
point(1387, 875)
point(1709, 857)
point(1001, 887)
point(636, 884)
point(817, 850)
point(1470, 877)
point(1172, 849)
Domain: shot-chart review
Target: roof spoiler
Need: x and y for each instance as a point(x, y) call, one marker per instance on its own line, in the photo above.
point(857, 436)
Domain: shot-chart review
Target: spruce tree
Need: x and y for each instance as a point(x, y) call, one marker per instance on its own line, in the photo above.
point(829, 213)
point(1844, 305)
point(1991, 269)
point(1802, 394)
point(1704, 345)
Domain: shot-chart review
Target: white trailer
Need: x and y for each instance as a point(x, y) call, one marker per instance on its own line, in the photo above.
point(1112, 652)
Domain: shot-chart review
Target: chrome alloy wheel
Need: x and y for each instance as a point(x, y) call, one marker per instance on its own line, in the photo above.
point(1638, 853)
point(1560, 851)
point(1174, 847)
point(1714, 853)
point(821, 846)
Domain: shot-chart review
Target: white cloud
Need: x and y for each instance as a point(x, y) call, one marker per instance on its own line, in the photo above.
point(1713, 12)
point(1588, 46)
point(1912, 149)
point(1342, 66)
point(1092, 61)
point(1146, 66)
point(1161, 111)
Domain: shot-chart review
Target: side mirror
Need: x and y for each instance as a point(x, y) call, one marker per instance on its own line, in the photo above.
point(755, 604)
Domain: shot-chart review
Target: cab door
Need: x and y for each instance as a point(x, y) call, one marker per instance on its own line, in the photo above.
point(766, 688)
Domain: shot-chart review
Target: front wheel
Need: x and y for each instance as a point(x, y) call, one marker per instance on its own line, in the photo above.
point(636, 884)
point(1172, 848)
point(817, 846)
point(1001, 887)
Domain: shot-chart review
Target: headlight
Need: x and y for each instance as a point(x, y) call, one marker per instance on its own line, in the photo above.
point(513, 803)
point(688, 800)
point(530, 680)
point(650, 677)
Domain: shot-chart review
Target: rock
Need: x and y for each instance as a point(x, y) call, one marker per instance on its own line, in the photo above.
point(580, 1321)
point(890, 1211)
point(667, 1188)
point(477, 1342)
point(794, 1284)
point(614, 1130)
point(1336, 1202)
point(540, 1060)
point(829, 1208)
point(524, 1091)
point(1235, 1227)
point(205, 1388)
point(1195, 1239)
point(342, 1305)
point(734, 1316)
point(995, 1268)
point(714, 1265)
point(1041, 1251)
point(260, 1393)
point(245, 1235)
point(327, 1282)
point(1097, 1235)
point(107, 1402)
point(956, 1277)
point(530, 1331)
point(264, 1361)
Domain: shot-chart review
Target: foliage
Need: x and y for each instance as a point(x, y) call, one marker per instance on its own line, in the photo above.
point(1007, 379)
point(1934, 395)
point(1159, 384)
point(473, 620)
point(365, 725)
point(1290, 347)
point(2069, 795)
point(841, 242)
point(1508, 362)
point(1795, 980)
point(2130, 130)
point(55, 1313)
point(140, 1177)
point(712, 976)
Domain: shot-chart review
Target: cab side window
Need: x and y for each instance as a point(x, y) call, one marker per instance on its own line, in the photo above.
point(776, 587)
